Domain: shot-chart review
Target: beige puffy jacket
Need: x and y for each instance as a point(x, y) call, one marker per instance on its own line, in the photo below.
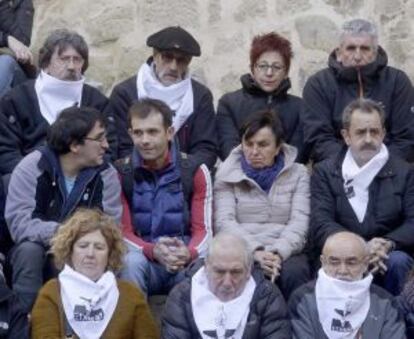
point(277, 221)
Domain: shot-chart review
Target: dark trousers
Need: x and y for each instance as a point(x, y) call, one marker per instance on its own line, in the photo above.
point(399, 264)
point(295, 272)
point(30, 267)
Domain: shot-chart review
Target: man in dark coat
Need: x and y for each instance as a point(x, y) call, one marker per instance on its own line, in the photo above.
point(367, 190)
point(343, 302)
point(28, 110)
point(16, 21)
point(224, 298)
point(358, 69)
point(166, 77)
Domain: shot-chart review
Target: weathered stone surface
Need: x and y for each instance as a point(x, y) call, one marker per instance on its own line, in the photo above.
point(116, 32)
point(160, 13)
point(214, 11)
point(346, 6)
point(317, 32)
point(228, 44)
point(229, 82)
point(292, 7)
point(250, 9)
point(117, 21)
point(388, 10)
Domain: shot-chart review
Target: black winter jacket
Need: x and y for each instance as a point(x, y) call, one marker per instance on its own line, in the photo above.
point(390, 211)
point(233, 109)
point(330, 90)
point(16, 19)
point(197, 137)
point(23, 127)
point(13, 321)
point(267, 318)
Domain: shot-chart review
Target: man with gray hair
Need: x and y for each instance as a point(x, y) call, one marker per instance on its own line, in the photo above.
point(343, 302)
point(28, 110)
point(367, 190)
point(358, 68)
point(225, 298)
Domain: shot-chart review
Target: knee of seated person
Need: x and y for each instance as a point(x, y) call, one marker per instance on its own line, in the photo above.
point(135, 260)
point(7, 64)
point(399, 259)
point(29, 249)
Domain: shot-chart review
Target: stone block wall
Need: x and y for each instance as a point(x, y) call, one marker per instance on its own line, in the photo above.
point(116, 31)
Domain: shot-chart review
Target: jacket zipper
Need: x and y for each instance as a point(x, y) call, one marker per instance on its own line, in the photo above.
point(360, 84)
point(269, 99)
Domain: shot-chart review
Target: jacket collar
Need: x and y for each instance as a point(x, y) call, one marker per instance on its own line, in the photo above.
point(388, 170)
point(230, 170)
point(250, 86)
point(49, 162)
point(368, 72)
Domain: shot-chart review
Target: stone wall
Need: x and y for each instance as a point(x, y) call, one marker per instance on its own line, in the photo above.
point(116, 31)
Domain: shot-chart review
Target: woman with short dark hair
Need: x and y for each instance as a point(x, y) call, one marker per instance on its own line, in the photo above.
point(261, 194)
point(265, 87)
point(86, 300)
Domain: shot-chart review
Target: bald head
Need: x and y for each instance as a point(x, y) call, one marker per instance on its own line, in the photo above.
point(228, 265)
point(345, 256)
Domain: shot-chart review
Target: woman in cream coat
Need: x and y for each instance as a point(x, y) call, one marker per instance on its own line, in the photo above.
point(263, 195)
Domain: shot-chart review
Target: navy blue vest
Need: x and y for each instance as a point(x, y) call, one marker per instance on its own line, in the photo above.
point(159, 201)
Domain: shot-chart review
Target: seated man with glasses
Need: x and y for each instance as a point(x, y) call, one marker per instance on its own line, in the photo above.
point(343, 302)
point(49, 184)
point(166, 77)
point(264, 88)
point(357, 68)
point(30, 108)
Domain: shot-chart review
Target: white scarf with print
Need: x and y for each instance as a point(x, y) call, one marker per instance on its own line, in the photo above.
point(357, 179)
point(179, 97)
point(222, 320)
point(342, 305)
point(88, 305)
point(55, 95)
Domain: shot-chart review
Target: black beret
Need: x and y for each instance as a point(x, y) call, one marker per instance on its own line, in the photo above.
point(174, 38)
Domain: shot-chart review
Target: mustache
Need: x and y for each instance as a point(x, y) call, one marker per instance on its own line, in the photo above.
point(368, 147)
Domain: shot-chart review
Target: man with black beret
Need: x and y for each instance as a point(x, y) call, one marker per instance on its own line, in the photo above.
point(165, 76)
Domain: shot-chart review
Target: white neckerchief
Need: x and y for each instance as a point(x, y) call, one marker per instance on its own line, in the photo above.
point(179, 96)
point(357, 179)
point(216, 317)
point(88, 305)
point(342, 305)
point(55, 95)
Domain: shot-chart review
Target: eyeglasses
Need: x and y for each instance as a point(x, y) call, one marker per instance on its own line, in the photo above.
point(168, 57)
point(264, 68)
point(101, 138)
point(77, 60)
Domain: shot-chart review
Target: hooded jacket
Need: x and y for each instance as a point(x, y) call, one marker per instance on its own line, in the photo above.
point(233, 109)
point(330, 90)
